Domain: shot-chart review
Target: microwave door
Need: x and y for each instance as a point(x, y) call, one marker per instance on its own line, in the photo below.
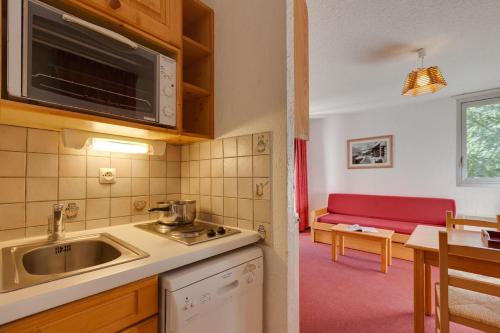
point(76, 64)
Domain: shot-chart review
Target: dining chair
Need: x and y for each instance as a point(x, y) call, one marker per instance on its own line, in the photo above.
point(452, 222)
point(471, 302)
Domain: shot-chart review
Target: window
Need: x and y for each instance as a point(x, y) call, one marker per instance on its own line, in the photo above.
point(479, 140)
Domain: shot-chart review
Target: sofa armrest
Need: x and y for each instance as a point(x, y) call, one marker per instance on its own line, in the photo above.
point(317, 213)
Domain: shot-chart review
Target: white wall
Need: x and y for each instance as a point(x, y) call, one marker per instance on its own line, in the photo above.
point(250, 97)
point(424, 157)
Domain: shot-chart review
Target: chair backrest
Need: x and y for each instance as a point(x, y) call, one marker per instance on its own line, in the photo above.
point(482, 261)
point(451, 222)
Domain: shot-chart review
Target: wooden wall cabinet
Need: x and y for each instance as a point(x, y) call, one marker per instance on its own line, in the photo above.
point(123, 309)
point(160, 18)
point(301, 69)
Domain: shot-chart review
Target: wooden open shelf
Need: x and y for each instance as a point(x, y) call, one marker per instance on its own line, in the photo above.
point(198, 70)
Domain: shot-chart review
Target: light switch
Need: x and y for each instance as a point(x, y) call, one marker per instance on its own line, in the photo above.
point(107, 175)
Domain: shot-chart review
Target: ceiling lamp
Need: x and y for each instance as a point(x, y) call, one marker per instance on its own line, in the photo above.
point(423, 80)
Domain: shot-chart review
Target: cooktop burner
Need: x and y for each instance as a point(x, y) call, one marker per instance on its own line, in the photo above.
point(189, 234)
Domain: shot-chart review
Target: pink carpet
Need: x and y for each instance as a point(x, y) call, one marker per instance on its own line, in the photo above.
point(353, 296)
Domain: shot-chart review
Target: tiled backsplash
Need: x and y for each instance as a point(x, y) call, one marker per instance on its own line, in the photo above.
point(36, 171)
point(230, 179)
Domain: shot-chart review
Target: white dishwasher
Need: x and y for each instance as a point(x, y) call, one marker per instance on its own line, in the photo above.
point(222, 294)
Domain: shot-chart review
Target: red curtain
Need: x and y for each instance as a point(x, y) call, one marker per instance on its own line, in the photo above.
point(301, 200)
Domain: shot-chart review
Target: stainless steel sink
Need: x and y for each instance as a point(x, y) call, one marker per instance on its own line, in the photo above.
point(29, 264)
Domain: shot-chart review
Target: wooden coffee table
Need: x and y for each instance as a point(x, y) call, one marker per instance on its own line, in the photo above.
point(383, 237)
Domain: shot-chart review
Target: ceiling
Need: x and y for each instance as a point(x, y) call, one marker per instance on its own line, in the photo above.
point(361, 50)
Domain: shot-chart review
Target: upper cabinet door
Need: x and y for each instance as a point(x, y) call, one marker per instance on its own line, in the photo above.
point(301, 54)
point(159, 18)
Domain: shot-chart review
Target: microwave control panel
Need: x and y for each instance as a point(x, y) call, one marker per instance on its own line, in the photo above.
point(167, 100)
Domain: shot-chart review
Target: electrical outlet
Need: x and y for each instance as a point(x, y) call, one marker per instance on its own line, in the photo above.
point(107, 175)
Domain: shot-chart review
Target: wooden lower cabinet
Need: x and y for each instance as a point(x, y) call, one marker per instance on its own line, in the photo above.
point(122, 308)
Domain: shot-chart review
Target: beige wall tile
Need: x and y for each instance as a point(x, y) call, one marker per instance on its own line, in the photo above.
point(97, 208)
point(144, 157)
point(140, 218)
point(217, 206)
point(231, 187)
point(122, 187)
point(176, 196)
point(205, 204)
point(185, 153)
point(41, 189)
point(121, 206)
point(12, 216)
point(230, 167)
point(140, 168)
point(245, 188)
point(94, 163)
point(101, 153)
point(245, 209)
point(205, 168)
point(157, 185)
point(75, 226)
point(265, 184)
point(140, 186)
point(72, 166)
point(245, 224)
point(261, 166)
point(158, 169)
point(173, 185)
point(218, 187)
point(94, 224)
point(159, 157)
point(194, 185)
point(217, 219)
point(173, 169)
point(185, 185)
point(205, 186)
point(6, 235)
point(120, 220)
point(205, 150)
point(36, 231)
point(81, 204)
point(123, 167)
point(194, 152)
point(261, 143)
point(185, 169)
point(42, 165)
point(262, 210)
point(230, 147)
point(207, 217)
point(42, 141)
point(194, 169)
point(12, 164)
point(39, 213)
point(245, 166)
point(173, 153)
point(155, 199)
point(217, 167)
point(140, 205)
point(97, 190)
point(72, 188)
point(12, 190)
point(244, 145)
point(13, 138)
point(216, 149)
point(230, 207)
point(230, 221)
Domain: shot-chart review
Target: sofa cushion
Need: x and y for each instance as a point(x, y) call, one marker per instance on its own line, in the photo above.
point(407, 209)
point(398, 226)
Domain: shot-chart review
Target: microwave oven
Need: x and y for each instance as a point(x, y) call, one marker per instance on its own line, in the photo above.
point(57, 59)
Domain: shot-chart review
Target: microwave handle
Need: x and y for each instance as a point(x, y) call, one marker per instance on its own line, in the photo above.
point(100, 30)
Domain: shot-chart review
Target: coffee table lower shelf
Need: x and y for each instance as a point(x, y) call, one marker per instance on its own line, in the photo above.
point(383, 237)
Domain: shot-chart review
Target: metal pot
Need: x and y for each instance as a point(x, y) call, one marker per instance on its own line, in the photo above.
point(176, 212)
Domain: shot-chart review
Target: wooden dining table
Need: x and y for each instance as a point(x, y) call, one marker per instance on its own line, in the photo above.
point(425, 244)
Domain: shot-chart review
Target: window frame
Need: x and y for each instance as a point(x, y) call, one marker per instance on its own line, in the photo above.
point(463, 102)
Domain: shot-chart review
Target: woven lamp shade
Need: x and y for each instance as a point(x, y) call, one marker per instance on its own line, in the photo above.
point(424, 80)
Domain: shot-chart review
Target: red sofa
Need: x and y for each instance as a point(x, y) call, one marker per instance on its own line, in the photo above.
point(401, 214)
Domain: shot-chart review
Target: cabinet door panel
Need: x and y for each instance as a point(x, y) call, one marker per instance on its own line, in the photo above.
point(147, 326)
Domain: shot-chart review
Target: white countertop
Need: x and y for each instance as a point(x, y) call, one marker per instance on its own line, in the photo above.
point(164, 255)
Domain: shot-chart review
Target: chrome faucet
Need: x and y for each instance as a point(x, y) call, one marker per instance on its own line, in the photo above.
point(56, 226)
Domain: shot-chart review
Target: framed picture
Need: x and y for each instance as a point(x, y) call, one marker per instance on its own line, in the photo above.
point(374, 152)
